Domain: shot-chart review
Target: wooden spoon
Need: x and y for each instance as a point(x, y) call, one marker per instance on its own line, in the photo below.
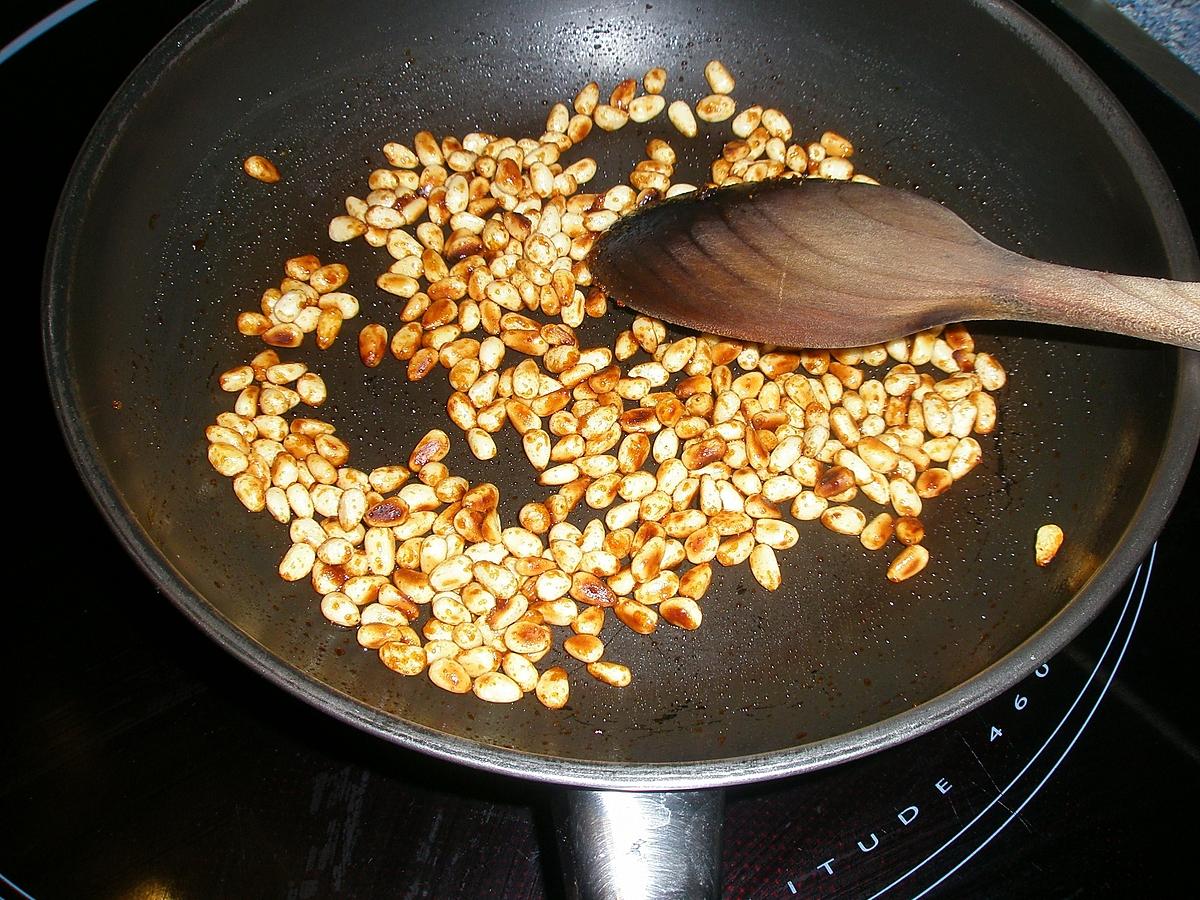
point(809, 263)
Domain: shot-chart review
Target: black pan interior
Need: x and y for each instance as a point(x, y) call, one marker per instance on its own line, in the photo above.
point(163, 240)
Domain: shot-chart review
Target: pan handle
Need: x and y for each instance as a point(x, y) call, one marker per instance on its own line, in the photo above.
point(617, 845)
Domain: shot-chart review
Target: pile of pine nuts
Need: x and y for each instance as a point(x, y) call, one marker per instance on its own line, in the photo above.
point(307, 301)
point(679, 452)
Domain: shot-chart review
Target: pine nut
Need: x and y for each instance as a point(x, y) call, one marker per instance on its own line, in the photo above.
point(1049, 539)
point(909, 530)
point(908, 562)
point(682, 118)
point(718, 77)
point(584, 647)
point(261, 169)
point(553, 689)
point(610, 673)
point(844, 520)
point(715, 108)
point(449, 675)
point(765, 567)
point(646, 107)
point(877, 532)
point(405, 659)
point(638, 617)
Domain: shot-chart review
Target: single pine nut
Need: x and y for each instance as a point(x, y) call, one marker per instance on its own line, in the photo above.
point(716, 108)
point(908, 563)
point(611, 673)
point(261, 168)
point(553, 688)
point(682, 118)
point(496, 687)
point(449, 675)
point(718, 77)
point(1049, 539)
point(584, 647)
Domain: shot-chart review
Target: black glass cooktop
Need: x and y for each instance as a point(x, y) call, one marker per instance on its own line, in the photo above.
point(142, 762)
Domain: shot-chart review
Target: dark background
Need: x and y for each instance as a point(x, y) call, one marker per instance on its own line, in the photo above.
point(141, 761)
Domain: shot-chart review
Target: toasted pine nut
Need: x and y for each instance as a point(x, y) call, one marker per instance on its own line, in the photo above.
point(527, 637)
point(227, 459)
point(735, 550)
point(637, 616)
point(905, 499)
point(908, 562)
point(478, 661)
point(553, 688)
point(654, 80)
point(765, 567)
point(406, 659)
point(966, 456)
point(261, 168)
point(991, 374)
point(909, 530)
point(584, 647)
point(1049, 539)
point(844, 520)
point(481, 444)
point(718, 77)
point(611, 673)
point(646, 107)
point(836, 145)
point(777, 124)
point(835, 168)
point(433, 447)
point(297, 562)
point(682, 118)
point(449, 675)
point(610, 118)
point(346, 228)
point(311, 388)
point(587, 98)
point(715, 108)
point(776, 534)
point(877, 532)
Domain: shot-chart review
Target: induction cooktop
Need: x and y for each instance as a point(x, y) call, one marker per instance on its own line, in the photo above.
point(142, 762)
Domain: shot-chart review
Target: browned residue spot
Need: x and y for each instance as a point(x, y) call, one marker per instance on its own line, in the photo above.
point(392, 511)
point(591, 590)
point(836, 480)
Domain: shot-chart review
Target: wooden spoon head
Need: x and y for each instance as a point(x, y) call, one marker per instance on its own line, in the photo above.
point(802, 263)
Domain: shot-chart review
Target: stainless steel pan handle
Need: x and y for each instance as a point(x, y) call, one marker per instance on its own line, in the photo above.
point(618, 845)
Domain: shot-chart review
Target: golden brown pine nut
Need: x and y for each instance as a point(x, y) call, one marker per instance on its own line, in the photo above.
point(1049, 539)
point(909, 530)
point(716, 108)
point(718, 77)
point(877, 532)
point(448, 674)
point(765, 567)
point(553, 688)
point(638, 617)
point(261, 169)
point(908, 562)
point(584, 647)
point(611, 673)
point(682, 118)
point(844, 520)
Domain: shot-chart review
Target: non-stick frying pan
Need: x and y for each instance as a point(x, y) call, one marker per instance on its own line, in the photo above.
point(161, 240)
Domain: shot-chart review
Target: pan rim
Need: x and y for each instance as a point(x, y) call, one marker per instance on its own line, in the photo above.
point(1182, 433)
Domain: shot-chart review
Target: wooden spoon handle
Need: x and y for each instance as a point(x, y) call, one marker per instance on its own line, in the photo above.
point(1152, 308)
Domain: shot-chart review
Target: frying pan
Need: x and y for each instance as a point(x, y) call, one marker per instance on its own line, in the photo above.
point(161, 240)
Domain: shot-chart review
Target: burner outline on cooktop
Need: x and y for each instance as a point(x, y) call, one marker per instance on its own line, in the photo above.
point(1143, 574)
